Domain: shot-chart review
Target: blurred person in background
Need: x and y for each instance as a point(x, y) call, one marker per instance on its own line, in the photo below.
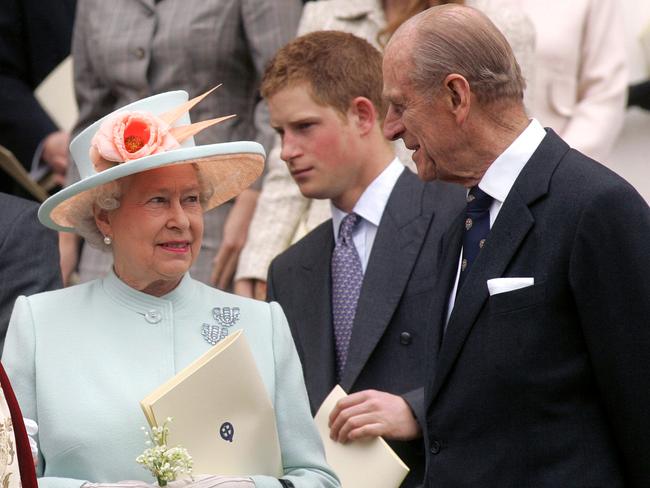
point(630, 153)
point(580, 79)
point(127, 49)
point(29, 258)
point(34, 38)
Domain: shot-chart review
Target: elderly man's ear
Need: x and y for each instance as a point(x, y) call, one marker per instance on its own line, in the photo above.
point(458, 96)
point(363, 114)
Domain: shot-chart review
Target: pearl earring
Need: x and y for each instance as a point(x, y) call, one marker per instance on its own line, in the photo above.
point(107, 240)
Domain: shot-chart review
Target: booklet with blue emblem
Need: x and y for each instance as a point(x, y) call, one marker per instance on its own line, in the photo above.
point(370, 463)
point(222, 412)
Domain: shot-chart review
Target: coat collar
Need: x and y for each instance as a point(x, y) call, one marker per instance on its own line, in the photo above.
point(142, 302)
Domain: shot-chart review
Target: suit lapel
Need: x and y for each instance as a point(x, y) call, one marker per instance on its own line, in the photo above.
point(447, 269)
point(401, 232)
point(314, 279)
point(508, 232)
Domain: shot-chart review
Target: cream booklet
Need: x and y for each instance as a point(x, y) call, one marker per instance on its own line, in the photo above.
point(222, 413)
point(361, 463)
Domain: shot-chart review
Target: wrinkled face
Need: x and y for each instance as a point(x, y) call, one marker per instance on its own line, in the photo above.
point(318, 143)
point(422, 121)
point(158, 227)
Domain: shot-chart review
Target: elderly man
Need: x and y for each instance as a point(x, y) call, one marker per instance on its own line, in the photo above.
point(538, 351)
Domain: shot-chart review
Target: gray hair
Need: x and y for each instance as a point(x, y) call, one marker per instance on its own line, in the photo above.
point(456, 39)
point(107, 197)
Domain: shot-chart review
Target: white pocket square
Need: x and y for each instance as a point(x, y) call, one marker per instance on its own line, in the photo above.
point(503, 285)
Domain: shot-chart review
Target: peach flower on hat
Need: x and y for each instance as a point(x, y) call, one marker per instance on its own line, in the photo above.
point(130, 135)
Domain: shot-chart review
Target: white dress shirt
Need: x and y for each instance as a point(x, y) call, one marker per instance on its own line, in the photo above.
point(370, 207)
point(499, 179)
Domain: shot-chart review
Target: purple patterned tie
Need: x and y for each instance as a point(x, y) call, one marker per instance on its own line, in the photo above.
point(347, 276)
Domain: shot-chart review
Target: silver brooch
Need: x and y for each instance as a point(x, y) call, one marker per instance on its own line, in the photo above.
point(225, 318)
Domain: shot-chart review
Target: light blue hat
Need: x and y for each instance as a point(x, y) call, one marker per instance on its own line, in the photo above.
point(229, 167)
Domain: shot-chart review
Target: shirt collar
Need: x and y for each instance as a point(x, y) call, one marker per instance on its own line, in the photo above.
point(374, 198)
point(502, 173)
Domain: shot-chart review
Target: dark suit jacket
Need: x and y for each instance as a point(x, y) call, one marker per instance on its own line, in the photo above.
point(387, 345)
point(35, 36)
point(547, 386)
point(29, 256)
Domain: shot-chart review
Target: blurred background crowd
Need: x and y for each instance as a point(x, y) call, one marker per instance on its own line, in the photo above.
point(67, 63)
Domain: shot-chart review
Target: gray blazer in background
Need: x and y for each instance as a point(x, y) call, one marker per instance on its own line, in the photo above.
point(387, 348)
point(29, 256)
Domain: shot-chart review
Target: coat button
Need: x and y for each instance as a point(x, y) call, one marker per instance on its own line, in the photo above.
point(435, 447)
point(139, 53)
point(153, 316)
point(405, 338)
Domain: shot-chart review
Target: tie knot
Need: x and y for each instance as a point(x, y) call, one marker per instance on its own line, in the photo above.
point(478, 200)
point(347, 226)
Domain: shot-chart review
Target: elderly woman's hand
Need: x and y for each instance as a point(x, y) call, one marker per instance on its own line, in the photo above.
point(203, 481)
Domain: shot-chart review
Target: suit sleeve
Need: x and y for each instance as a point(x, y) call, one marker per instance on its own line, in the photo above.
point(30, 262)
point(609, 270)
point(23, 122)
point(270, 286)
point(415, 400)
point(303, 456)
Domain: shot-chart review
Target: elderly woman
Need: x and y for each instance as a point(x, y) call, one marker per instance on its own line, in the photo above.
point(83, 357)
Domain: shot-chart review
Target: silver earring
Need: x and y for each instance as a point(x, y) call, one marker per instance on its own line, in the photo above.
point(107, 240)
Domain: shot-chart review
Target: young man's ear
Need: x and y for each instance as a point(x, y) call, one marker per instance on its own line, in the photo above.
point(364, 114)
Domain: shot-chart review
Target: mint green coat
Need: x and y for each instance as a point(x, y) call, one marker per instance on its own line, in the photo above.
point(80, 359)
